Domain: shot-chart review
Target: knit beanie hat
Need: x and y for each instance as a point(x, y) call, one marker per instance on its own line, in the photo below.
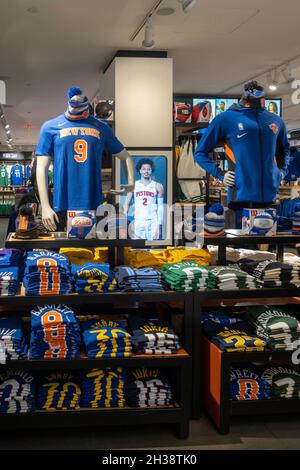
point(78, 104)
point(214, 221)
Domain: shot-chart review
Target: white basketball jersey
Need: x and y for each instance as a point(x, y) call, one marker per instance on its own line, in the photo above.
point(145, 201)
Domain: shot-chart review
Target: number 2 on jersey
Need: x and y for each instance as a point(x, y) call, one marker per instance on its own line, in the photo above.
point(80, 150)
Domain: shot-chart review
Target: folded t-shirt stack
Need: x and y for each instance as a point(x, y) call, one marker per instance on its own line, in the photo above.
point(233, 278)
point(247, 384)
point(148, 388)
point(284, 381)
point(220, 317)
point(157, 258)
point(139, 280)
point(272, 273)
point(152, 336)
point(276, 326)
point(58, 391)
point(106, 338)
point(92, 278)
point(55, 333)
point(17, 392)
point(236, 336)
point(11, 271)
point(12, 341)
point(188, 276)
point(233, 255)
point(103, 388)
point(11, 257)
point(47, 273)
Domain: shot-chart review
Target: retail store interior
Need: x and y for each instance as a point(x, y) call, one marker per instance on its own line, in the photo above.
point(158, 328)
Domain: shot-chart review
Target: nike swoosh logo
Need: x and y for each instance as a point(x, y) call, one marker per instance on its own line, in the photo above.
point(239, 136)
point(61, 124)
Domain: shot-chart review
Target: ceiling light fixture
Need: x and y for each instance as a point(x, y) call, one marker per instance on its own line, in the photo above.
point(6, 127)
point(187, 5)
point(165, 11)
point(272, 80)
point(152, 10)
point(149, 42)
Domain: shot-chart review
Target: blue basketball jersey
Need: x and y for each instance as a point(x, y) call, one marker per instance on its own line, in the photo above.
point(16, 175)
point(77, 146)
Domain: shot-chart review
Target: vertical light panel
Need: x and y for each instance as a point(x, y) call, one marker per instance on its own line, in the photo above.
point(143, 100)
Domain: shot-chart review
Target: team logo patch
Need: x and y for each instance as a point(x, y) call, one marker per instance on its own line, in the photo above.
point(241, 126)
point(274, 128)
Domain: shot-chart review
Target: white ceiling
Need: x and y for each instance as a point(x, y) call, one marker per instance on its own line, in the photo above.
point(216, 47)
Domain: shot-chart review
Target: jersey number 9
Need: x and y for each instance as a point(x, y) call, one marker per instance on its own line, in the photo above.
point(80, 150)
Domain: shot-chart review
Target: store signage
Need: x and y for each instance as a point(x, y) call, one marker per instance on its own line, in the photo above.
point(12, 156)
point(2, 92)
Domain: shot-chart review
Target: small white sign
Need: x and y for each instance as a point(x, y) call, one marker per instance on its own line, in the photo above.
point(2, 92)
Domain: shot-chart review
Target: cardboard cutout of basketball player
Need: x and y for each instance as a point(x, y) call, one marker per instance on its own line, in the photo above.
point(148, 203)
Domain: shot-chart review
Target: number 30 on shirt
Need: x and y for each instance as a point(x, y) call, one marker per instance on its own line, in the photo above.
point(80, 150)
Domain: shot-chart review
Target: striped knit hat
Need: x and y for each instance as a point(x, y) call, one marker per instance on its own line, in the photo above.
point(78, 104)
point(296, 220)
point(262, 223)
point(214, 221)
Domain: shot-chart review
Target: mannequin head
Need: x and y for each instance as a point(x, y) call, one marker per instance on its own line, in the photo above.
point(253, 96)
point(78, 104)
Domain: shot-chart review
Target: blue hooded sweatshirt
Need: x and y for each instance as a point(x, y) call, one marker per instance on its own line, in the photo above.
point(253, 137)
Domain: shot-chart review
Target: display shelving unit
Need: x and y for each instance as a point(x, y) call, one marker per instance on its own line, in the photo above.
point(211, 366)
point(179, 365)
point(200, 368)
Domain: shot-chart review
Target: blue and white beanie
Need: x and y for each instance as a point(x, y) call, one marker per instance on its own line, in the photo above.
point(214, 221)
point(78, 104)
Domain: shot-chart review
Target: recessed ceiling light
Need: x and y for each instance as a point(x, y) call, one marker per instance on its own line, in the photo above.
point(32, 10)
point(165, 11)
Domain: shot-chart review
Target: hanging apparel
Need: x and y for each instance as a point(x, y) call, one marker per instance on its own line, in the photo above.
point(187, 168)
point(27, 172)
point(16, 175)
point(3, 175)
